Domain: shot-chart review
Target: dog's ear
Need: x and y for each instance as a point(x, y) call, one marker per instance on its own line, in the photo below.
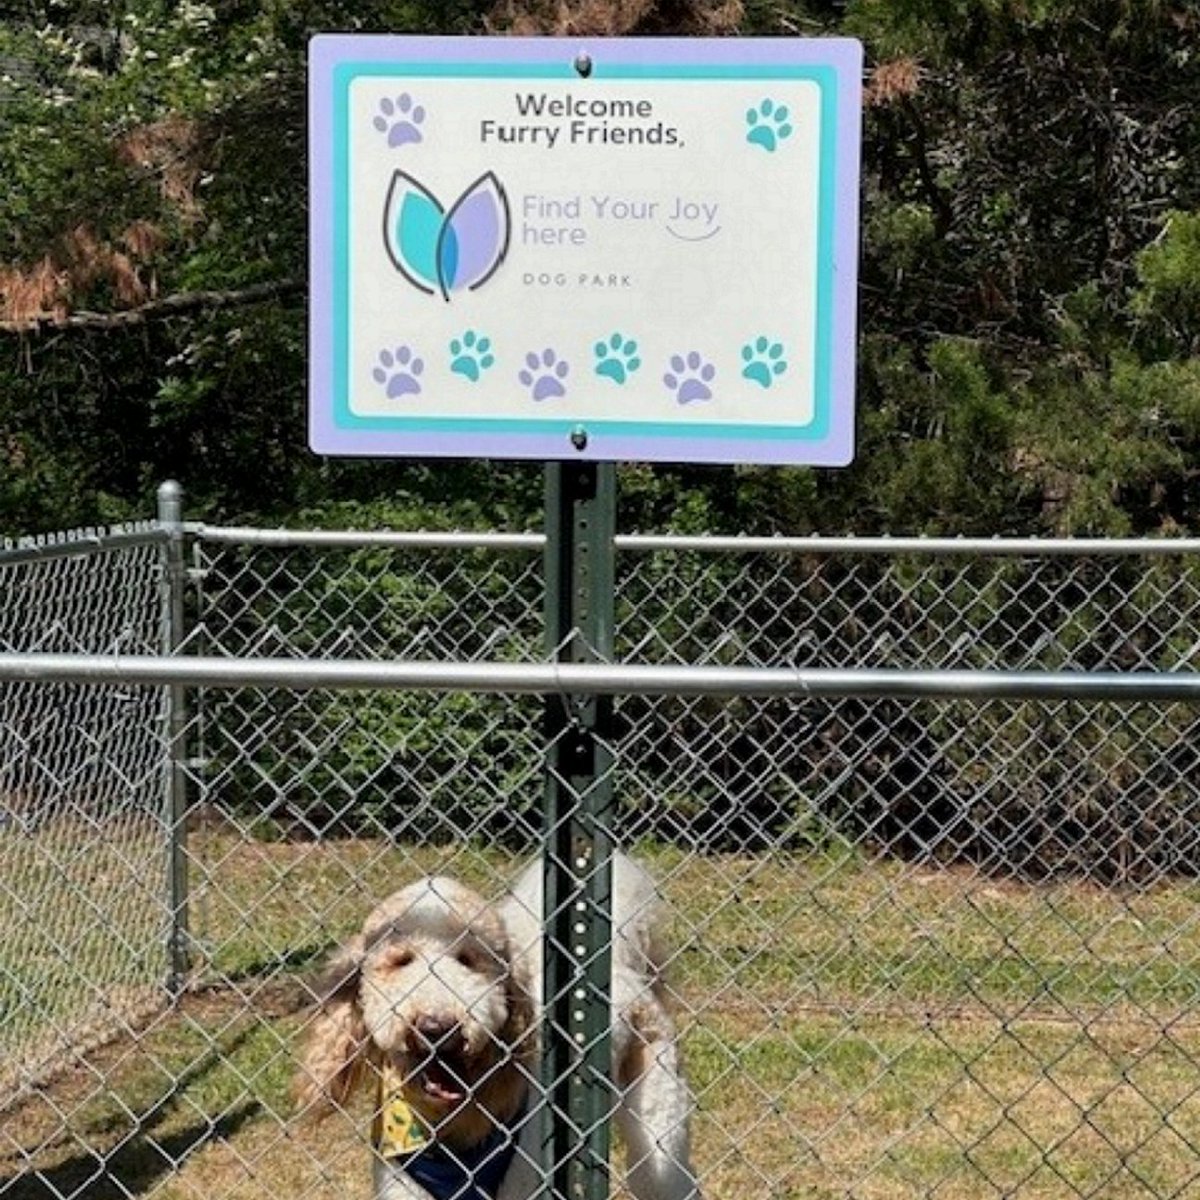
point(519, 1033)
point(336, 1041)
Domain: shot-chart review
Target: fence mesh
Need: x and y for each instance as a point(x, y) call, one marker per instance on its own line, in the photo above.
point(914, 947)
point(83, 916)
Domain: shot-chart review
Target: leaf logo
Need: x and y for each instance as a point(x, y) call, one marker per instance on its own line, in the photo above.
point(440, 251)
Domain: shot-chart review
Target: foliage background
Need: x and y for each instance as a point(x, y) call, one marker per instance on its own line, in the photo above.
point(1030, 301)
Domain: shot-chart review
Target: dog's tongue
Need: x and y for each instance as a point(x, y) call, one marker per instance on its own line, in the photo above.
point(442, 1080)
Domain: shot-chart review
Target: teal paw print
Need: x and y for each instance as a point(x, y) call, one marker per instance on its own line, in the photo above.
point(617, 358)
point(768, 125)
point(471, 355)
point(764, 361)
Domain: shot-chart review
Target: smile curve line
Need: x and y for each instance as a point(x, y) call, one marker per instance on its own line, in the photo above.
point(684, 238)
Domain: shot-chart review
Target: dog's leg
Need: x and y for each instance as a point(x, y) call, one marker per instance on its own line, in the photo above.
point(653, 1119)
point(523, 1178)
point(391, 1183)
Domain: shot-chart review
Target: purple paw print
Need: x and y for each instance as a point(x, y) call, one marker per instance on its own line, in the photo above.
point(544, 375)
point(399, 372)
point(689, 378)
point(400, 119)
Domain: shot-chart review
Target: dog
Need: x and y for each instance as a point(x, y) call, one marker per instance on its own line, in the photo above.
point(436, 1002)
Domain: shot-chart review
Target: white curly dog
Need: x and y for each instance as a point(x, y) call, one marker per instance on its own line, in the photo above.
point(436, 1003)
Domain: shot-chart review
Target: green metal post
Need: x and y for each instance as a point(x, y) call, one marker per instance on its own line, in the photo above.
point(576, 1056)
point(170, 518)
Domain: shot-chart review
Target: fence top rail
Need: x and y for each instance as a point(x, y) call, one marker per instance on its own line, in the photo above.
point(573, 679)
point(705, 544)
point(354, 538)
point(79, 542)
point(849, 544)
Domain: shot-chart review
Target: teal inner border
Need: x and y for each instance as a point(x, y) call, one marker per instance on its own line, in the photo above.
point(816, 430)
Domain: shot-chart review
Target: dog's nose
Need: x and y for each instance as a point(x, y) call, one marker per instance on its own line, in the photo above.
point(435, 1031)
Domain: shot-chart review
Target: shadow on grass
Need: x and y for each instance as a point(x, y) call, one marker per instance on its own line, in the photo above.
point(136, 1156)
point(130, 1169)
point(269, 967)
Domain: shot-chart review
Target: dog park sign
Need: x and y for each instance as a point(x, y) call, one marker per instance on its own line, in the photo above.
point(584, 250)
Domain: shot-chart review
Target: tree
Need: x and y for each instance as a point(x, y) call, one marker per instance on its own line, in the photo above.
point(1028, 306)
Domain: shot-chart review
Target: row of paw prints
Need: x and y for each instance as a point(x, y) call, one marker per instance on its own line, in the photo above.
point(689, 377)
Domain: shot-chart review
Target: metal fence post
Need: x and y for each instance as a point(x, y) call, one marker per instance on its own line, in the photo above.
point(170, 519)
point(576, 1055)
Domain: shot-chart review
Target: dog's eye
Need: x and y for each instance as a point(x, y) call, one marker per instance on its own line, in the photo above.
point(396, 960)
point(465, 958)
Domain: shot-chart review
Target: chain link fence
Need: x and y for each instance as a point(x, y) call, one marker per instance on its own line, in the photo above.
point(83, 917)
point(930, 947)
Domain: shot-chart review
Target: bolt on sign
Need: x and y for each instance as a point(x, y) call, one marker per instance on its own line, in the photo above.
point(610, 250)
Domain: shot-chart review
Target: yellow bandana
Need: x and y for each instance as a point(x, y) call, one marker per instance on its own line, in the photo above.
point(397, 1129)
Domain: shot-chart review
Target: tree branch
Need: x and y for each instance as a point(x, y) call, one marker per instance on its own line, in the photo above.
point(181, 304)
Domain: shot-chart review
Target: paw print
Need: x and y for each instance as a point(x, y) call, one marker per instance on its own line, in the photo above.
point(401, 119)
point(471, 355)
point(399, 372)
point(764, 361)
point(617, 358)
point(543, 375)
point(689, 378)
point(768, 125)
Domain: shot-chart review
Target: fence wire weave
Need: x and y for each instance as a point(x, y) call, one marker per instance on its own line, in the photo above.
point(82, 860)
point(914, 947)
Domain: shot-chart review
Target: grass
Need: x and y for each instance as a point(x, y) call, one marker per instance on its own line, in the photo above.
point(82, 936)
point(851, 1028)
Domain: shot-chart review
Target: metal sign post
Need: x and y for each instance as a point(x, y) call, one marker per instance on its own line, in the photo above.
point(576, 1055)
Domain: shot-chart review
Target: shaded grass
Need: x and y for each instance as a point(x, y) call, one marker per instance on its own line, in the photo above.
point(850, 1028)
point(124, 1119)
point(83, 934)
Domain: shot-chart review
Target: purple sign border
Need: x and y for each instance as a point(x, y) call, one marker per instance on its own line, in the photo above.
point(833, 448)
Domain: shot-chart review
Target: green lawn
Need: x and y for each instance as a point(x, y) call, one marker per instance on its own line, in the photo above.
point(851, 1028)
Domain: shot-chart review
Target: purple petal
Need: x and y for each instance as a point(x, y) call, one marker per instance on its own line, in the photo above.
point(479, 225)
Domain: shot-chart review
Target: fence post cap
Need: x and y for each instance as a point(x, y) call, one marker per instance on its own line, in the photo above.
point(170, 502)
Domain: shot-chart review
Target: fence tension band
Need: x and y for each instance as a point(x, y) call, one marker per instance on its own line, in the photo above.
point(576, 1055)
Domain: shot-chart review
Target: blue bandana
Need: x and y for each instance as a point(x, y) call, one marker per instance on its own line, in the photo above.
point(401, 1138)
point(467, 1175)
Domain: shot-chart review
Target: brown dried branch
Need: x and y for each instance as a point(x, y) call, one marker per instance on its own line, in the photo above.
point(181, 304)
point(614, 18)
point(78, 263)
point(172, 151)
point(893, 81)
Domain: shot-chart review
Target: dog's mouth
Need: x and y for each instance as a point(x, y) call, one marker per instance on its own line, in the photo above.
point(442, 1076)
point(438, 1070)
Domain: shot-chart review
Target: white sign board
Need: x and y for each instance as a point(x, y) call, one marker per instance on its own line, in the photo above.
point(627, 249)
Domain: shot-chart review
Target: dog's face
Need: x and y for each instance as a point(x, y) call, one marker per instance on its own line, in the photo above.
point(434, 991)
point(427, 994)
